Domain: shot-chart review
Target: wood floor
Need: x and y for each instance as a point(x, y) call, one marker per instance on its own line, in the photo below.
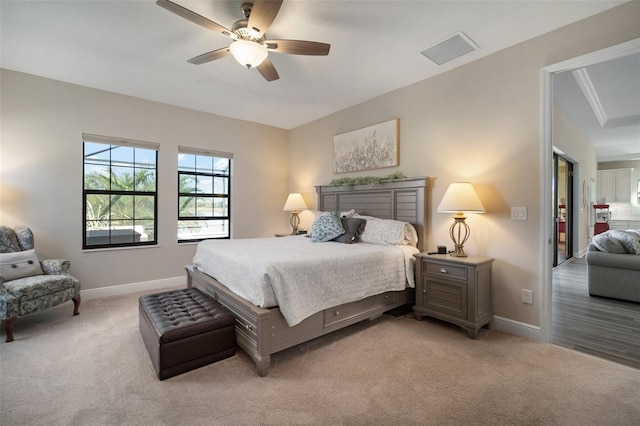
point(602, 327)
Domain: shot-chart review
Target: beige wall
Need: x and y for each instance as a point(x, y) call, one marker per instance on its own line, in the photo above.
point(579, 151)
point(41, 172)
point(480, 122)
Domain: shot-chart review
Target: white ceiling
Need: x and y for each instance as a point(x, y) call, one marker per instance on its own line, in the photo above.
point(603, 101)
point(136, 48)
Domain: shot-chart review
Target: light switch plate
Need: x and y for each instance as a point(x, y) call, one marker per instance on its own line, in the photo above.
point(518, 213)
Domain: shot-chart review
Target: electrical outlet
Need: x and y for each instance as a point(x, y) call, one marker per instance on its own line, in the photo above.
point(527, 296)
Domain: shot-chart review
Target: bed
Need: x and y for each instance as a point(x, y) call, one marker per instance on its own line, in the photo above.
point(263, 329)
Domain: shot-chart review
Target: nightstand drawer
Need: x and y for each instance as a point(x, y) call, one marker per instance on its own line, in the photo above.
point(459, 272)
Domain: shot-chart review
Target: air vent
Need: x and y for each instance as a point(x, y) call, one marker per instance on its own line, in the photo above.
point(450, 48)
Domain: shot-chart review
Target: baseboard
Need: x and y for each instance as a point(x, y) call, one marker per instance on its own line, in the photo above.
point(117, 290)
point(518, 328)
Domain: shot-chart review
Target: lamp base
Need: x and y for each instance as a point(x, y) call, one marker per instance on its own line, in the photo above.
point(295, 222)
point(459, 233)
point(458, 251)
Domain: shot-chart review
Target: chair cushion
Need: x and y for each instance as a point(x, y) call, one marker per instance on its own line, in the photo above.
point(19, 264)
point(40, 292)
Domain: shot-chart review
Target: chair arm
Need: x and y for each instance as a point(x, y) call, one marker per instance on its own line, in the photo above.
point(8, 303)
point(55, 266)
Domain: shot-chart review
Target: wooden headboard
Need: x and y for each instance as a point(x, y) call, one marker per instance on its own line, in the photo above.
point(402, 199)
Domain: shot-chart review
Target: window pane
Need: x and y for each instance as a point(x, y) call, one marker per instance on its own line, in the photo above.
point(122, 179)
point(122, 156)
point(145, 206)
point(121, 207)
point(204, 184)
point(204, 164)
point(145, 157)
point(145, 180)
point(96, 153)
point(187, 162)
point(145, 228)
point(187, 206)
point(204, 206)
point(201, 229)
point(123, 231)
point(221, 185)
point(187, 184)
point(221, 165)
point(97, 211)
point(96, 177)
point(221, 207)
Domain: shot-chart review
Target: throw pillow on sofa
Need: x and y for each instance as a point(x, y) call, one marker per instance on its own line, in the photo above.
point(618, 242)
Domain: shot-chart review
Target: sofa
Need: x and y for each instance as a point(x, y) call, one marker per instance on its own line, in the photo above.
point(613, 265)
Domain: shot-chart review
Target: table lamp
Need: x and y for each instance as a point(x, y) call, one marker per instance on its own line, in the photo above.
point(294, 204)
point(460, 198)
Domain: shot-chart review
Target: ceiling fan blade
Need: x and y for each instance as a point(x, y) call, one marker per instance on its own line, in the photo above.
point(298, 47)
point(210, 56)
point(195, 18)
point(267, 70)
point(262, 15)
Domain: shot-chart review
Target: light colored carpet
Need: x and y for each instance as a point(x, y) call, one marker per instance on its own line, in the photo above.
point(94, 370)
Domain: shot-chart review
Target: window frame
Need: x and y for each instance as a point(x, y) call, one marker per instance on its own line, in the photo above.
point(118, 142)
point(213, 195)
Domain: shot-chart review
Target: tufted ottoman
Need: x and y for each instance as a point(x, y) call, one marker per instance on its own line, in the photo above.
point(185, 329)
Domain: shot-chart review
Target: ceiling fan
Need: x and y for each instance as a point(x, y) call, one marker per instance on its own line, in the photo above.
point(249, 46)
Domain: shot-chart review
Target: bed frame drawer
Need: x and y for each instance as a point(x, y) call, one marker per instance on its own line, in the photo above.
point(333, 316)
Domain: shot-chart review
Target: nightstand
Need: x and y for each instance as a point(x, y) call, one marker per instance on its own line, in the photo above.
point(454, 289)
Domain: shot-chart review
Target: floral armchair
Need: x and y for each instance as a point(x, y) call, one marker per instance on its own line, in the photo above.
point(28, 286)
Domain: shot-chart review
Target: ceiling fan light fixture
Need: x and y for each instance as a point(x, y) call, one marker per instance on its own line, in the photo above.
point(248, 53)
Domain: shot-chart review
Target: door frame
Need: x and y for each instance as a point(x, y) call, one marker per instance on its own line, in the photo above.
point(546, 161)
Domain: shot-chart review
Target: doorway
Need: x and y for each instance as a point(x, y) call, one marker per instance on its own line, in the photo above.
point(631, 47)
point(563, 209)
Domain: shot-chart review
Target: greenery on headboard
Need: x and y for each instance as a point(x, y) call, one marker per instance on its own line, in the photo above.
point(366, 180)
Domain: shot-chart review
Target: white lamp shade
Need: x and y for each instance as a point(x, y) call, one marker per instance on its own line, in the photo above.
point(248, 53)
point(294, 203)
point(460, 197)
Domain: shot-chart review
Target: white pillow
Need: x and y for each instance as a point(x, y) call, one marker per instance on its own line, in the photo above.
point(348, 213)
point(19, 264)
point(388, 232)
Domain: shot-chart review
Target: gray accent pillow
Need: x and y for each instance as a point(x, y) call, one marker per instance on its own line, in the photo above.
point(605, 242)
point(628, 239)
point(352, 230)
point(19, 265)
point(326, 228)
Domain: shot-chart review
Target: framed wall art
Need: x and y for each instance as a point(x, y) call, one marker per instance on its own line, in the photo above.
point(374, 147)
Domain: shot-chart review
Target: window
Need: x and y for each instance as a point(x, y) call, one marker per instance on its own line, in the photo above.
point(120, 192)
point(203, 194)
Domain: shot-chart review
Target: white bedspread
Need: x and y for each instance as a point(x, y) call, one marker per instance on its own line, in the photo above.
point(303, 277)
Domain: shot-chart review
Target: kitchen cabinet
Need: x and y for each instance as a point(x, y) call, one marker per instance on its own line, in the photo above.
point(614, 185)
